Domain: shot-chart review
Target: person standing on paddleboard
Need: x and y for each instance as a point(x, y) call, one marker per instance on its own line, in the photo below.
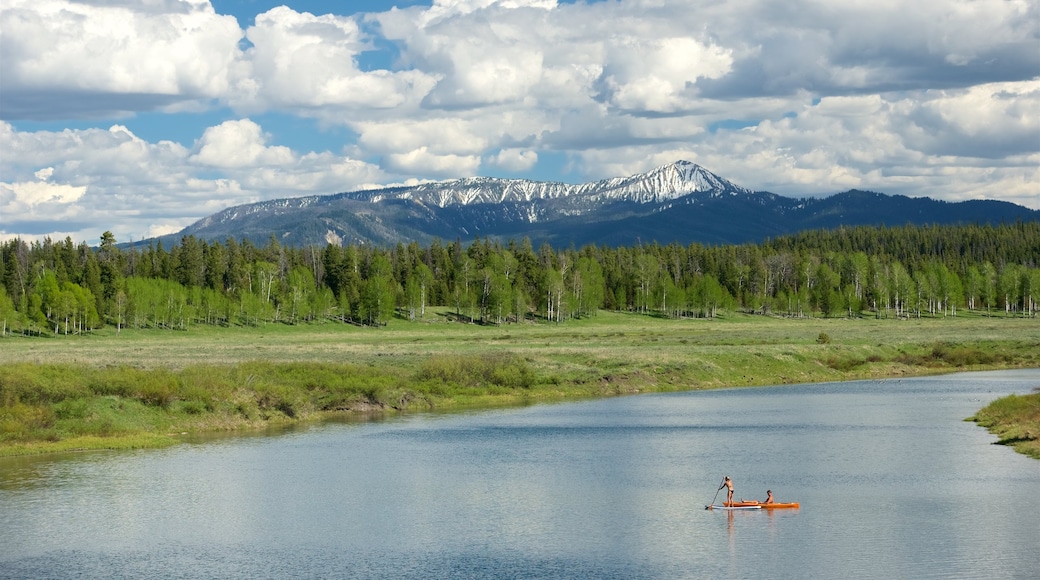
point(728, 484)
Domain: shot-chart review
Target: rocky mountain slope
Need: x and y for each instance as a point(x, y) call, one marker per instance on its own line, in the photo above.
point(679, 202)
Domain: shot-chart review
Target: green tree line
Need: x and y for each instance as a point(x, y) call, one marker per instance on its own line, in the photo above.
point(61, 288)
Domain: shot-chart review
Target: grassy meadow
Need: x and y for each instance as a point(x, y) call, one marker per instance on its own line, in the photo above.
point(147, 388)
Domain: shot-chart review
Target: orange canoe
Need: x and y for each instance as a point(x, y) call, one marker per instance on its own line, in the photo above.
point(766, 506)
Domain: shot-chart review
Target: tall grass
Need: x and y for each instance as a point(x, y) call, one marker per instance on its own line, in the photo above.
point(118, 387)
point(1015, 419)
point(55, 402)
point(486, 372)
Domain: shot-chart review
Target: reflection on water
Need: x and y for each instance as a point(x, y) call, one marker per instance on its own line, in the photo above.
point(892, 483)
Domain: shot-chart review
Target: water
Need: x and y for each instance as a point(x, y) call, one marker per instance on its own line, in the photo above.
point(892, 483)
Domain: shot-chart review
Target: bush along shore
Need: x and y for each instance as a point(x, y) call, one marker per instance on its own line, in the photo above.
point(1015, 419)
point(148, 401)
point(63, 406)
point(59, 407)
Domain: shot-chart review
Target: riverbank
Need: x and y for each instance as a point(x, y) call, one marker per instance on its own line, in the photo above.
point(149, 388)
point(1015, 419)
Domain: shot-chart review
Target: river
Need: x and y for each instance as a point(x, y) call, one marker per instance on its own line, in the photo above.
point(892, 482)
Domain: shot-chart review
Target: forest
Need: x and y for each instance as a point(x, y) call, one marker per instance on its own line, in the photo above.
point(58, 288)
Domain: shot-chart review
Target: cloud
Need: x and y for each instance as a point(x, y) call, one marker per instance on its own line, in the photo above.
point(114, 57)
point(312, 173)
point(83, 182)
point(799, 97)
point(858, 46)
point(299, 60)
point(480, 53)
point(514, 159)
point(658, 75)
point(916, 143)
point(422, 161)
point(990, 121)
point(440, 135)
point(238, 144)
point(36, 201)
point(447, 9)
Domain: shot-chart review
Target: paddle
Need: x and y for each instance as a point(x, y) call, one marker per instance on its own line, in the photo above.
point(708, 507)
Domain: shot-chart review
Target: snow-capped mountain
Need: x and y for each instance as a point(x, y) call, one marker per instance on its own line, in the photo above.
point(681, 202)
point(667, 182)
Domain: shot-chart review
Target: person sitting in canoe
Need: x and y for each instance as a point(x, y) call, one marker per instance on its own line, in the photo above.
point(728, 484)
point(769, 496)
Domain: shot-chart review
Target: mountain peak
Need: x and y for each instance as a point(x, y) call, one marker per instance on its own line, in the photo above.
point(669, 181)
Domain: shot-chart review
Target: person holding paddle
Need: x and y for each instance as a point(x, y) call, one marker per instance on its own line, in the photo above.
point(728, 484)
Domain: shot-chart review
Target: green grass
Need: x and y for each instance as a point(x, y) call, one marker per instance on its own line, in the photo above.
point(145, 387)
point(1015, 419)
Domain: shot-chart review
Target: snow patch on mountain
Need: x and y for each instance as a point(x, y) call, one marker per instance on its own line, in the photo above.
point(663, 183)
point(515, 200)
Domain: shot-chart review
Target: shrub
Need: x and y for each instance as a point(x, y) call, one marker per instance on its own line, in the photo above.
point(39, 384)
point(513, 372)
point(503, 370)
point(20, 418)
point(67, 410)
point(157, 389)
point(823, 338)
point(193, 407)
point(21, 422)
point(282, 399)
point(121, 382)
point(960, 356)
point(843, 364)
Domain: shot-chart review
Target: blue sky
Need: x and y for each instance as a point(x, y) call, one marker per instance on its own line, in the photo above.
point(141, 117)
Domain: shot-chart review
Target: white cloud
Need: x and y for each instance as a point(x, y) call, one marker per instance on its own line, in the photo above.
point(875, 142)
point(990, 121)
point(142, 57)
point(436, 146)
point(303, 60)
point(445, 135)
point(481, 78)
point(312, 173)
point(514, 159)
point(37, 202)
point(442, 9)
point(37, 198)
point(806, 96)
point(422, 161)
point(479, 53)
point(83, 182)
point(658, 74)
point(239, 144)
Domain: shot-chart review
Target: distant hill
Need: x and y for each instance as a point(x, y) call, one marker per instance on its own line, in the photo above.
point(679, 202)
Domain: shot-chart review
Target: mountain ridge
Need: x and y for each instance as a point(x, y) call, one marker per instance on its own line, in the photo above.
point(665, 182)
point(680, 201)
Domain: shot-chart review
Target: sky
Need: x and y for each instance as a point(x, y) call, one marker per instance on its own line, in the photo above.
point(140, 117)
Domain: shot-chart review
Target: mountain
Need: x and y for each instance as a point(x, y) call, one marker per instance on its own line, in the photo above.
point(679, 202)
